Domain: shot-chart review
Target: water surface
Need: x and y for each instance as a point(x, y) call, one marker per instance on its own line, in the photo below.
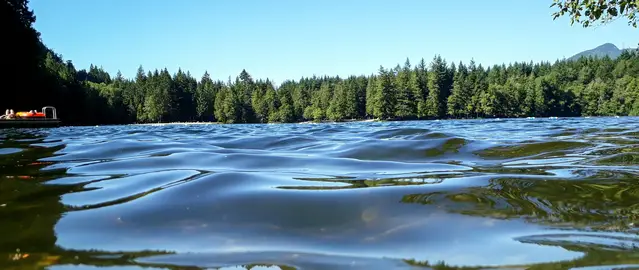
point(518, 193)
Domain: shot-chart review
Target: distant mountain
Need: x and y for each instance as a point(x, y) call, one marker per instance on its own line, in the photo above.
point(608, 49)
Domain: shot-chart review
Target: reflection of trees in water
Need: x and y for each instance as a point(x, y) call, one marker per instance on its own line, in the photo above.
point(604, 205)
point(608, 205)
point(106, 259)
point(592, 257)
point(367, 183)
point(30, 210)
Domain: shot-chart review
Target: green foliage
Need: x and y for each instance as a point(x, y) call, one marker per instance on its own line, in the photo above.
point(589, 12)
point(407, 87)
point(385, 97)
point(438, 88)
point(421, 76)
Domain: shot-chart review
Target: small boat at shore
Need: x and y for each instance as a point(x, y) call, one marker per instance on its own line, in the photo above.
point(47, 118)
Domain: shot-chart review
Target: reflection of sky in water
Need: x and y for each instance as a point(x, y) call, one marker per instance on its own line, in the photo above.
point(540, 161)
point(611, 240)
point(234, 192)
point(457, 239)
point(464, 240)
point(7, 151)
point(83, 266)
point(608, 267)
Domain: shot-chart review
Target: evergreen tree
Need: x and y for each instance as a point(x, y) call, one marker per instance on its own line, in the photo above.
point(435, 102)
point(385, 95)
point(406, 89)
point(422, 92)
point(205, 98)
point(371, 96)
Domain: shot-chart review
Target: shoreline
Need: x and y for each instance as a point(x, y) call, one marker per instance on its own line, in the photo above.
point(176, 123)
point(375, 120)
point(345, 121)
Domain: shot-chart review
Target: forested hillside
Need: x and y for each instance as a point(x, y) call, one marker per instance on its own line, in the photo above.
point(428, 90)
point(608, 49)
point(34, 76)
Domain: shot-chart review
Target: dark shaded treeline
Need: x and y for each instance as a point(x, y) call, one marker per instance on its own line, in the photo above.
point(432, 90)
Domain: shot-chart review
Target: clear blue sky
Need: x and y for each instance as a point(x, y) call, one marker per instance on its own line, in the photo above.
point(288, 39)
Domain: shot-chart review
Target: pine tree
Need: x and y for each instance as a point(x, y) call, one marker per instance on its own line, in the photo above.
point(422, 91)
point(406, 89)
point(436, 84)
point(371, 96)
point(458, 100)
point(385, 95)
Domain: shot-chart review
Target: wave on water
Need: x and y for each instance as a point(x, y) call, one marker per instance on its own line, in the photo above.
point(477, 194)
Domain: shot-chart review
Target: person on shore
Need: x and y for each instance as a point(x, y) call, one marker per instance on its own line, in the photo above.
point(8, 114)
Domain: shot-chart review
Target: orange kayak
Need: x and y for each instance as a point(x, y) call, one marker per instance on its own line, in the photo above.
point(30, 115)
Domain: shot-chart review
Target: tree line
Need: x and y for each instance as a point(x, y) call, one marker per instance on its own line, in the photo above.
point(435, 90)
point(428, 90)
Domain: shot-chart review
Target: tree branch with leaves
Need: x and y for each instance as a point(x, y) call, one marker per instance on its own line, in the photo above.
point(590, 12)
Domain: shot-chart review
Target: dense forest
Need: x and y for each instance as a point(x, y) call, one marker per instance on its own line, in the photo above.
point(428, 90)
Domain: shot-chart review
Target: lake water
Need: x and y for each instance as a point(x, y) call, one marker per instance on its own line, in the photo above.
point(547, 193)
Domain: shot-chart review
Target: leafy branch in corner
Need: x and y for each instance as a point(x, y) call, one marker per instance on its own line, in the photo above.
point(589, 12)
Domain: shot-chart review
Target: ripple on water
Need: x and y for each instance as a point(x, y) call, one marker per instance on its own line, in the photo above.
point(383, 195)
point(8, 151)
point(403, 150)
point(230, 213)
point(261, 162)
point(112, 190)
